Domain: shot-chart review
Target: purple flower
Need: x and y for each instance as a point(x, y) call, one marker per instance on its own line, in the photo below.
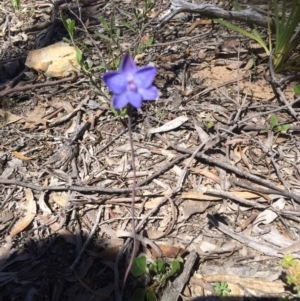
point(131, 85)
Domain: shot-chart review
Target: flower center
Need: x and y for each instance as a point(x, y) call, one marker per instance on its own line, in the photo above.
point(131, 86)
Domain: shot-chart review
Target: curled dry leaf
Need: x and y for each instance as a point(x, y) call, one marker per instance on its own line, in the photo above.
point(20, 156)
point(59, 198)
point(29, 216)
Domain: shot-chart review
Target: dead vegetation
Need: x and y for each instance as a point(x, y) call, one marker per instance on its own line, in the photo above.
point(218, 178)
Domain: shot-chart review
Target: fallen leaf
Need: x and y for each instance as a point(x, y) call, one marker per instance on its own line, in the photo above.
point(30, 214)
point(9, 117)
point(20, 156)
point(190, 207)
point(171, 125)
point(60, 199)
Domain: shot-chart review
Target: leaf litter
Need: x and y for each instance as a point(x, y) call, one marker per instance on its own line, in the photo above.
point(238, 224)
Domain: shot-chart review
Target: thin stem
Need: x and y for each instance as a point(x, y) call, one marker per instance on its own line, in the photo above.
point(133, 198)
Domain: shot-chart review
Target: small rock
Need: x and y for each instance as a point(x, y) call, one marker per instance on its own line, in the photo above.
point(57, 60)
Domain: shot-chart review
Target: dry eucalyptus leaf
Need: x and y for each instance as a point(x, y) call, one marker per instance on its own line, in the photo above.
point(171, 125)
point(190, 207)
point(59, 198)
point(20, 156)
point(9, 117)
point(30, 214)
point(268, 215)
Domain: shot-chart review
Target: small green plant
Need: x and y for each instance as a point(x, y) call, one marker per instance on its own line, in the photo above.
point(296, 89)
point(157, 274)
point(144, 45)
point(112, 36)
point(222, 289)
point(112, 33)
point(209, 125)
point(161, 115)
point(275, 125)
point(121, 114)
point(16, 4)
point(141, 15)
point(70, 27)
point(292, 270)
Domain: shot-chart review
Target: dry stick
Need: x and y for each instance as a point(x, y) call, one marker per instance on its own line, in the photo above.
point(88, 238)
point(267, 113)
point(249, 186)
point(240, 172)
point(200, 36)
point(279, 174)
point(162, 170)
point(71, 188)
point(288, 105)
point(47, 83)
point(211, 11)
point(231, 196)
point(172, 292)
point(278, 90)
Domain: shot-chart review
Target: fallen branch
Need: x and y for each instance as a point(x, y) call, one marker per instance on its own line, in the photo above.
point(71, 187)
point(210, 11)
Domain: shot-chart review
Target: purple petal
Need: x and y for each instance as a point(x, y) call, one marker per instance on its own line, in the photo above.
point(128, 65)
point(149, 94)
point(135, 99)
point(144, 77)
point(115, 81)
point(120, 101)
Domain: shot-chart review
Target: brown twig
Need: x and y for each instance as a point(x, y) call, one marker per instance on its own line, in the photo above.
point(20, 87)
point(240, 172)
point(71, 187)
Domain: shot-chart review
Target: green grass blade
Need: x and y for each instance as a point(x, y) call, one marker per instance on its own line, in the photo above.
point(256, 37)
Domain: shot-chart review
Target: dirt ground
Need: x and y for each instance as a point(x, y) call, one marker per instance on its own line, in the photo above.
point(220, 187)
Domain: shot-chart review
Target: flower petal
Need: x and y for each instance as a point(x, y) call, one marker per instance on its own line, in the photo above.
point(135, 99)
point(120, 101)
point(115, 81)
point(128, 66)
point(144, 77)
point(149, 94)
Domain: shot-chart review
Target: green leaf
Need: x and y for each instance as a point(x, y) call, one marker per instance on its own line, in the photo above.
point(210, 125)
point(174, 267)
point(102, 36)
point(254, 36)
point(149, 42)
point(71, 26)
point(112, 23)
point(78, 55)
point(139, 266)
point(118, 33)
point(128, 25)
point(16, 4)
point(296, 89)
point(139, 295)
point(150, 296)
point(273, 121)
point(158, 266)
point(67, 40)
point(283, 128)
point(104, 24)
